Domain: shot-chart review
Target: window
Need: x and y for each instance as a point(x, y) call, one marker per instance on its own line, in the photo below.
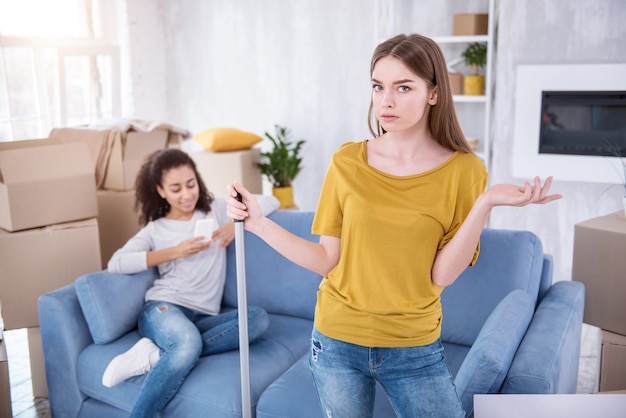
point(59, 65)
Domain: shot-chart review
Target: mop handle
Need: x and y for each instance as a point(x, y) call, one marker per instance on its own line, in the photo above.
point(242, 306)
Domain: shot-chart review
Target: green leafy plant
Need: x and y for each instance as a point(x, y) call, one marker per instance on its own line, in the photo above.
point(616, 151)
point(282, 164)
point(475, 56)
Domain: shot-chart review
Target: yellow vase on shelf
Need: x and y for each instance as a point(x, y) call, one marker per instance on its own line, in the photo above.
point(284, 196)
point(474, 85)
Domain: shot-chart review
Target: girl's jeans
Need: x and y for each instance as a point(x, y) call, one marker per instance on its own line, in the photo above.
point(417, 380)
point(183, 336)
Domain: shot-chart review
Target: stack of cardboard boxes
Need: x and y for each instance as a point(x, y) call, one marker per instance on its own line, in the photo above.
point(600, 263)
point(48, 230)
point(66, 204)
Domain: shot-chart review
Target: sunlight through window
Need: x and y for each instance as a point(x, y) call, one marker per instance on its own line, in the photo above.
point(46, 18)
point(56, 68)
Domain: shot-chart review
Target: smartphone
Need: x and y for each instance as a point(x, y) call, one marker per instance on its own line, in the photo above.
point(204, 227)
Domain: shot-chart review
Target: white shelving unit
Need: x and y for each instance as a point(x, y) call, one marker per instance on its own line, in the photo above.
point(469, 106)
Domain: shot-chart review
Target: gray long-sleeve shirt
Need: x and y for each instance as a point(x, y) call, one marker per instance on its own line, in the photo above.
point(195, 282)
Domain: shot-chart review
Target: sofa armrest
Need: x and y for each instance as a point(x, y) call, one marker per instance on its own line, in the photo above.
point(547, 359)
point(64, 335)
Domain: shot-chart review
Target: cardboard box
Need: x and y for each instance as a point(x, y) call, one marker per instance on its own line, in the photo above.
point(470, 24)
point(128, 154)
point(117, 221)
point(122, 151)
point(600, 264)
point(99, 143)
point(36, 261)
point(219, 169)
point(5, 385)
point(45, 182)
point(613, 365)
point(456, 83)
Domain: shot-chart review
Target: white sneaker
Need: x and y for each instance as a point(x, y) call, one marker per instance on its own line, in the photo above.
point(138, 360)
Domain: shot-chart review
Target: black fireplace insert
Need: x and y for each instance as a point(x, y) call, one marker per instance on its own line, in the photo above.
point(583, 123)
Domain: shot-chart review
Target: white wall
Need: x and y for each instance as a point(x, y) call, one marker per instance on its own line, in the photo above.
point(305, 64)
point(251, 65)
point(145, 58)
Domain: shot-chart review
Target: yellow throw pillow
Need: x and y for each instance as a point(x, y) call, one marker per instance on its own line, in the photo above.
point(226, 139)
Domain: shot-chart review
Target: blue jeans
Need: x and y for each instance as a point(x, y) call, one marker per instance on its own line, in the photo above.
point(417, 380)
point(184, 336)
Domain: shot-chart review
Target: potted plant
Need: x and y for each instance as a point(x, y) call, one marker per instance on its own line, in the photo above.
point(615, 150)
point(282, 164)
point(475, 57)
point(622, 174)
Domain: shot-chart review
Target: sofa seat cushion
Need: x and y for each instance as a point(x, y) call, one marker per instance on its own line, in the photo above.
point(213, 387)
point(454, 354)
point(294, 395)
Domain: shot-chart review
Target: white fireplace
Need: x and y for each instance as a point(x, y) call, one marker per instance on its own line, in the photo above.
point(570, 122)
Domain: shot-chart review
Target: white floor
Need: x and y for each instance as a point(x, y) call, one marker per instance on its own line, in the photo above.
point(589, 363)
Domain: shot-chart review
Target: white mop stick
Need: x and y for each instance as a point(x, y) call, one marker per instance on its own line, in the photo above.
point(242, 303)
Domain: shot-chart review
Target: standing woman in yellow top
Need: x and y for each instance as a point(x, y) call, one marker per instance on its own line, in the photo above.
point(399, 218)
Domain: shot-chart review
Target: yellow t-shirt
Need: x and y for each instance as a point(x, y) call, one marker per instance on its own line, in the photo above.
point(381, 294)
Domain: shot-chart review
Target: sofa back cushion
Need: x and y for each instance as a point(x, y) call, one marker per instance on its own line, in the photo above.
point(508, 260)
point(273, 282)
point(111, 303)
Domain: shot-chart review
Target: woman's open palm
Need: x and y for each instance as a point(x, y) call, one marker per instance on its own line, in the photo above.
point(516, 195)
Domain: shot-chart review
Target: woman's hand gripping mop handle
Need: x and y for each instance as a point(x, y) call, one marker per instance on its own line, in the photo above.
point(242, 303)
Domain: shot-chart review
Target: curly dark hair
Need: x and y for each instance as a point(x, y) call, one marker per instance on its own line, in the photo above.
point(148, 203)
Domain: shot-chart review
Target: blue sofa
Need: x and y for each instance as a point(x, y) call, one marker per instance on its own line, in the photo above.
point(506, 329)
